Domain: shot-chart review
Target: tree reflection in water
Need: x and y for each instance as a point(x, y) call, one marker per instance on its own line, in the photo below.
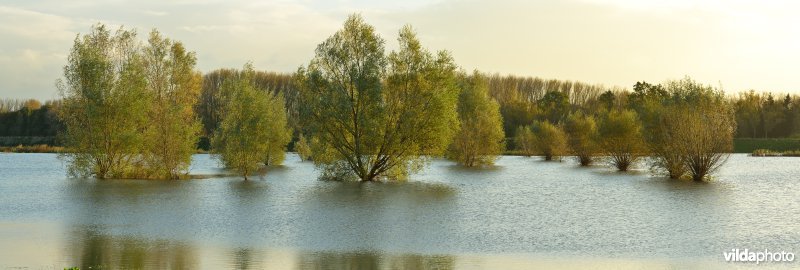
point(91, 249)
point(94, 250)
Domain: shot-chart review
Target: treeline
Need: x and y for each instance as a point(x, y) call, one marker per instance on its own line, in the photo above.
point(767, 115)
point(29, 118)
point(521, 101)
point(213, 97)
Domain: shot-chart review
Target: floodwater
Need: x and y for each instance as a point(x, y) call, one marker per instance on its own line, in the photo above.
point(524, 213)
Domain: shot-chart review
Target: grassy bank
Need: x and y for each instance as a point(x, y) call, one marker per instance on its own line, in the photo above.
point(748, 145)
point(770, 153)
point(39, 148)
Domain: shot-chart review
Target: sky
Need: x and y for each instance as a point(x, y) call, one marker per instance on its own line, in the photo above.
point(736, 45)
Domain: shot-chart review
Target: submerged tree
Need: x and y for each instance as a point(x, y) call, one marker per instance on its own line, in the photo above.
point(303, 148)
point(525, 141)
point(549, 140)
point(379, 115)
point(105, 104)
point(708, 140)
point(696, 127)
point(480, 138)
point(278, 132)
point(621, 138)
point(253, 125)
point(173, 128)
point(582, 132)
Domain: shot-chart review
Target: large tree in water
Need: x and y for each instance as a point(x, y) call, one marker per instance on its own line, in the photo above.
point(105, 104)
point(379, 116)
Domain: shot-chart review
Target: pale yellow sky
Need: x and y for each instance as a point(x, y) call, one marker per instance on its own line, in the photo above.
point(737, 44)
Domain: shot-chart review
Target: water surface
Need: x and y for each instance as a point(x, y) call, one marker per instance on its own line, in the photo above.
point(522, 213)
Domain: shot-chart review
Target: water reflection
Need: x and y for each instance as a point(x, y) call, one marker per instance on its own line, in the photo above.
point(91, 248)
point(88, 248)
point(522, 206)
point(331, 260)
point(380, 192)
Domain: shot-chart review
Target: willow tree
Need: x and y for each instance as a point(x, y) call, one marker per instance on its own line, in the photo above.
point(549, 140)
point(253, 125)
point(174, 85)
point(303, 148)
point(707, 139)
point(277, 128)
point(695, 130)
point(621, 138)
point(524, 141)
point(379, 115)
point(480, 138)
point(105, 104)
point(582, 132)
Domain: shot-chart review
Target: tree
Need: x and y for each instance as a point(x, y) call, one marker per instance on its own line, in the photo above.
point(303, 148)
point(278, 132)
point(212, 100)
point(748, 114)
point(253, 125)
point(667, 141)
point(379, 114)
point(697, 127)
point(607, 100)
point(174, 85)
point(621, 138)
point(105, 104)
point(549, 140)
point(582, 132)
point(771, 115)
point(555, 106)
point(480, 138)
point(525, 141)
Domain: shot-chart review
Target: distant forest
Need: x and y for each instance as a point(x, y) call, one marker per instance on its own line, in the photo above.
point(522, 100)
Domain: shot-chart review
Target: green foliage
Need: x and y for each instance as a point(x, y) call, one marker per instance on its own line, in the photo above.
point(376, 115)
point(212, 99)
point(525, 99)
point(583, 136)
point(607, 100)
point(29, 118)
point(554, 106)
point(549, 140)
point(253, 127)
point(277, 130)
point(128, 108)
point(696, 130)
point(480, 138)
point(762, 115)
point(770, 153)
point(621, 138)
point(525, 141)
point(105, 104)
point(174, 85)
point(748, 145)
point(689, 127)
point(303, 148)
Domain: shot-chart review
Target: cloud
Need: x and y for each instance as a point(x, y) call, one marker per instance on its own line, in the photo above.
point(29, 24)
point(33, 51)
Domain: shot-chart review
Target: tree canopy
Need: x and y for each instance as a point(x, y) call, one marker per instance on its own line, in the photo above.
point(105, 104)
point(380, 115)
point(253, 129)
point(480, 138)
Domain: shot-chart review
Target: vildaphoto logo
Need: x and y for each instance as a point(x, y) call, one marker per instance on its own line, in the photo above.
point(757, 256)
